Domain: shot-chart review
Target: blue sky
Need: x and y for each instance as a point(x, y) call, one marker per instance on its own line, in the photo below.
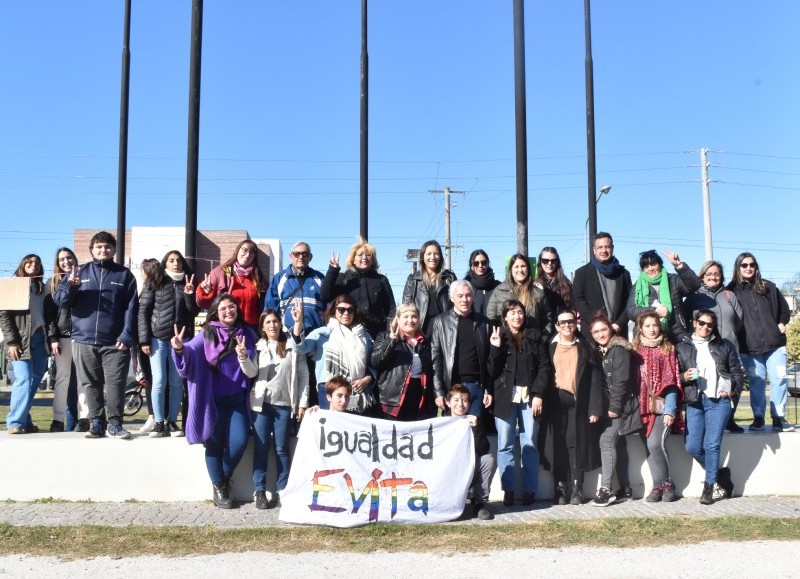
point(279, 143)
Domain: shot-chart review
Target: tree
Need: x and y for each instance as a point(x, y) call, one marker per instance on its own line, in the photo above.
point(793, 340)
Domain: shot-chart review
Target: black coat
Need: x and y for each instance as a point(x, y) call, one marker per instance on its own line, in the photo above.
point(164, 308)
point(416, 293)
point(620, 381)
point(502, 362)
point(483, 286)
point(725, 359)
point(370, 290)
point(443, 349)
point(589, 402)
point(392, 360)
point(681, 285)
point(588, 296)
point(761, 315)
point(62, 318)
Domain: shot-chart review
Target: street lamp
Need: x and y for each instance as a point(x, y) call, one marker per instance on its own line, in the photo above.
point(604, 190)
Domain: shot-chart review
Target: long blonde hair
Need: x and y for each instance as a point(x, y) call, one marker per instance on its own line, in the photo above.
point(523, 292)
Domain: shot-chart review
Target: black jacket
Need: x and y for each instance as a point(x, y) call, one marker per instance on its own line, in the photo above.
point(725, 359)
point(681, 285)
point(416, 293)
point(501, 365)
point(761, 315)
point(588, 296)
point(161, 309)
point(392, 360)
point(483, 286)
point(443, 349)
point(620, 380)
point(16, 328)
point(62, 318)
point(588, 402)
point(370, 290)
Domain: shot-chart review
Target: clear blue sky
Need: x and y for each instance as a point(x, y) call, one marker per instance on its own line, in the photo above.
point(279, 143)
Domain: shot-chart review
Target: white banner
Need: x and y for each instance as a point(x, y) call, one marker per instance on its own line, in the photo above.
point(349, 471)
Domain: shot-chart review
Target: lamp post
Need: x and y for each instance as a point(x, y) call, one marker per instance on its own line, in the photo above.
point(604, 190)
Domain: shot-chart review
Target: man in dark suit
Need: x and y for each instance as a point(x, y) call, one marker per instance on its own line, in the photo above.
point(602, 285)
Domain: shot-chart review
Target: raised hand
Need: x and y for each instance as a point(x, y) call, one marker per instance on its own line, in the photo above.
point(205, 285)
point(74, 276)
point(241, 349)
point(494, 339)
point(334, 262)
point(297, 311)
point(177, 340)
point(673, 257)
point(394, 329)
point(188, 288)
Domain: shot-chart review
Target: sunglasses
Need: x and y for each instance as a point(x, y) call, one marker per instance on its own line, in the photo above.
point(480, 263)
point(748, 265)
point(566, 322)
point(344, 310)
point(703, 324)
point(546, 261)
point(301, 253)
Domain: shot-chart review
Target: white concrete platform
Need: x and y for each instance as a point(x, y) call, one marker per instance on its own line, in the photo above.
point(69, 467)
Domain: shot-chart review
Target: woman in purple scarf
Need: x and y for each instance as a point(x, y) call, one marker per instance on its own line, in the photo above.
point(218, 365)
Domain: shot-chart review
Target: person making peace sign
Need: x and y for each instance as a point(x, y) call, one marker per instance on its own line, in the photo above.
point(218, 364)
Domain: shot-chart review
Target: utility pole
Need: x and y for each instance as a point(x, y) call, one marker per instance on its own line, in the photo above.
point(364, 175)
point(521, 127)
point(122, 175)
point(193, 146)
point(447, 245)
point(590, 149)
point(706, 204)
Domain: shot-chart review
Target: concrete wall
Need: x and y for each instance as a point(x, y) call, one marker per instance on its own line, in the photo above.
point(70, 467)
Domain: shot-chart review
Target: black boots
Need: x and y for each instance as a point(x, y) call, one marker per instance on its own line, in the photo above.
point(222, 495)
point(577, 493)
point(707, 497)
point(724, 481)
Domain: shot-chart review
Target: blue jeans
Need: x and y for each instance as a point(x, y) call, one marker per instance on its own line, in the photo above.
point(529, 454)
point(27, 376)
point(226, 446)
point(164, 371)
point(272, 422)
point(705, 424)
point(476, 398)
point(758, 366)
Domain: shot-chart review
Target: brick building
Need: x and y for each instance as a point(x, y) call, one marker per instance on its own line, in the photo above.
point(213, 247)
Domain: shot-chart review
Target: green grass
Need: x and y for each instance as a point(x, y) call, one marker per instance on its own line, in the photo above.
point(71, 542)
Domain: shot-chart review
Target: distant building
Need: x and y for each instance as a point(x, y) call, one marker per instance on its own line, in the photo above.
point(213, 247)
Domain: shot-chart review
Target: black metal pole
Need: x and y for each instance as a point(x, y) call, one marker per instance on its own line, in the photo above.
point(590, 153)
point(364, 123)
point(122, 174)
point(192, 156)
point(521, 127)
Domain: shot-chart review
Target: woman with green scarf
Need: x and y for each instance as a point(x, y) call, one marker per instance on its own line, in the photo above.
point(656, 289)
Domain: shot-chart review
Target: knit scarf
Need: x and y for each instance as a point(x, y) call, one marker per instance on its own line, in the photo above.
point(480, 282)
point(346, 351)
point(242, 271)
point(643, 284)
point(610, 269)
point(220, 341)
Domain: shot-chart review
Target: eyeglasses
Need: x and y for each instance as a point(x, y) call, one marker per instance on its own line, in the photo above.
point(345, 310)
point(748, 265)
point(566, 322)
point(480, 263)
point(304, 254)
point(703, 324)
point(546, 261)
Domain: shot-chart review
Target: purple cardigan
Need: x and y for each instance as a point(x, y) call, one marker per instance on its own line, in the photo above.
point(203, 383)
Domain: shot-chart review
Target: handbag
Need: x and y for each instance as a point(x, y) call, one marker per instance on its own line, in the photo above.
point(655, 404)
point(630, 420)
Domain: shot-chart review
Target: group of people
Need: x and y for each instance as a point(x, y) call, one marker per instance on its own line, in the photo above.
point(533, 355)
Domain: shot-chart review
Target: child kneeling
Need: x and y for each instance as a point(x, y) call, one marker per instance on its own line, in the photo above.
point(458, 401)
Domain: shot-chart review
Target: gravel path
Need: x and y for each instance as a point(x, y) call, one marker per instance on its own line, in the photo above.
point(750, 559)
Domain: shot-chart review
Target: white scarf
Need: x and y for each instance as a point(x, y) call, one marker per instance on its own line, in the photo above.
point(346, 351)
